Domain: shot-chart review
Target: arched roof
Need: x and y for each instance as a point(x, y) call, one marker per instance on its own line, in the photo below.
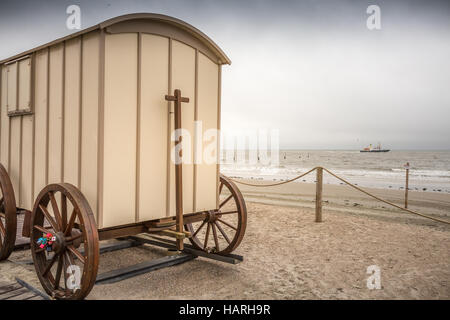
point(159, 22)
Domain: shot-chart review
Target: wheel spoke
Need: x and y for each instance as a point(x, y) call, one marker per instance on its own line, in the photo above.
point(64, 211)
point(42, 229)
point(227, 212)
point(2, 229)
point(66, 263)
point(71, 263)
point(56, 210)
point(227, 224)
point(77, 253)
point(201, 226)
point(207, 236)
point(225, 201)
point(58, 271)
point(223, 233)
point(39, 250)
point(70, 239)
point(216, 240)
point(71, 223)
point(49, 217)
point(221, 187)
point(49, 266)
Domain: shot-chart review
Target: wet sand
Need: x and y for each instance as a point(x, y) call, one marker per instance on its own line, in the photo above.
point(289, 256)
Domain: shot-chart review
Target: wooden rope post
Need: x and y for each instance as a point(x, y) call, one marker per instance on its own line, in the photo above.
point(406, 184)
point(319, 182)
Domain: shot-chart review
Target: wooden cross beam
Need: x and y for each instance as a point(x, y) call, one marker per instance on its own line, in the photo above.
point(178, 99)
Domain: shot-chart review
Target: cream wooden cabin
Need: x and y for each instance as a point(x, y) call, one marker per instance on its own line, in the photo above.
point(90, 109)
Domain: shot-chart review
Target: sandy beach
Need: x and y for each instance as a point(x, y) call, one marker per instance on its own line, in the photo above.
point(289, 256)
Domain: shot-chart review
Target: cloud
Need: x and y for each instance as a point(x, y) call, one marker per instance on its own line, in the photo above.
point(308, 68)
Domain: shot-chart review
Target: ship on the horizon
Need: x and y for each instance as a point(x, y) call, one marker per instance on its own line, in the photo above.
point(374, 149)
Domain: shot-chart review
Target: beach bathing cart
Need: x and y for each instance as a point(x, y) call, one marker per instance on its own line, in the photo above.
point(88, 153)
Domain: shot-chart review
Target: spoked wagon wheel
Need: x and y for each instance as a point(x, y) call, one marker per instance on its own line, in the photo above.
point(8, 215)
point(72, 255)
point(222, 230)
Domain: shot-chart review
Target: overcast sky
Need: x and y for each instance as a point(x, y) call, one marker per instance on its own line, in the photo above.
point(311, 69)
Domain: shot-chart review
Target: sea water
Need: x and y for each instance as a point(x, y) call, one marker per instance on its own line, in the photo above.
point(429, 170)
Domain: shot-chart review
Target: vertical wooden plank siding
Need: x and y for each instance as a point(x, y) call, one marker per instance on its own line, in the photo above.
point(89, 118)
point(71, 111)
point(14, 165)
point(40, 121)
point(120, 113)
point(80, 115)
point(4, 125)
point(153, 127)
point(26, 177)
point(11, 92)
point(101, 122)
point(170, 170)
point(196, 137)
point(138, 125)
point(183, 78)
point(33, 148)
point(219, 128)
point(24, 76)
point(55, 113)
point(208, 114)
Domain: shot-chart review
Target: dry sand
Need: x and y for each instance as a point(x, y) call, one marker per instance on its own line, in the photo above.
point(289, 256)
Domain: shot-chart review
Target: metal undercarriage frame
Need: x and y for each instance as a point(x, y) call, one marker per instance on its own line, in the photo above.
point(189, 253)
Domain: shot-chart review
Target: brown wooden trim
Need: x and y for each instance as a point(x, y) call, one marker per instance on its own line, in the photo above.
point(138, 124)
point(142, 227)
point(17, 113)
point(63, 110)
point(194, 186)
point(219, 107)
point(80, 113)
point(130, 18)
point(17, 60)
point(169, 131)
point(101, 120)
point(122, 231)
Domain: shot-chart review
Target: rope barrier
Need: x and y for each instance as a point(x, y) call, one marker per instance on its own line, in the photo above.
point(273, 184)
point(348, 183)
point(385, 201)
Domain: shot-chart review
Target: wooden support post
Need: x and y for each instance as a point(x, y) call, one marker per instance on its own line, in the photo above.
point(319, 182)
point(178, 99)
point(406, 184)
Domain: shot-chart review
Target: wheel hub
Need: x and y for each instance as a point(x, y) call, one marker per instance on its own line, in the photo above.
point(60, 244)
point(212, 216)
